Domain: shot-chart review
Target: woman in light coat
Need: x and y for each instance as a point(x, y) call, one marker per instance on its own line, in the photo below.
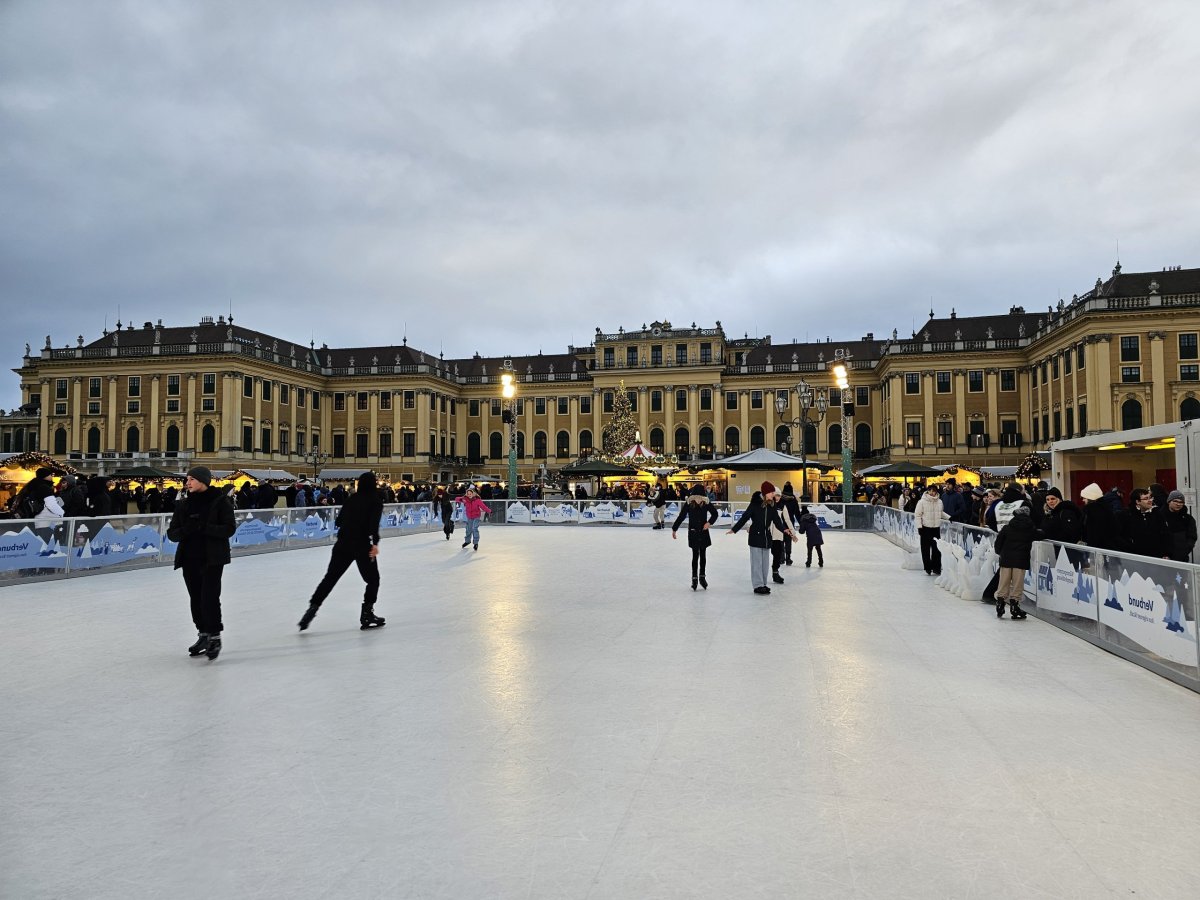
point(930, 514)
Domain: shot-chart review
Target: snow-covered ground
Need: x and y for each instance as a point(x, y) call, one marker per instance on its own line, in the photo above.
point(558, 715)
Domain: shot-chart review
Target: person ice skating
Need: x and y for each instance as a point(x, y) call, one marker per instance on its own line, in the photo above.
point(759, 514)
point(701, 515)
point(202, 524)
point(1014, 543)
point(358, 543)
point(930, 515)
point(791, 507)
point(473, 508)
point(658, 500)
point(777, 536)
point(445, 509)
point(814, 537)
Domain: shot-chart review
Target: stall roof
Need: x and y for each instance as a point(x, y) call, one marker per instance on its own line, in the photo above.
point(265, 474)
point(762, 458)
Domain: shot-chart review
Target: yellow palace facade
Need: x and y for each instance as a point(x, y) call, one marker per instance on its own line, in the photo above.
point(980, 391)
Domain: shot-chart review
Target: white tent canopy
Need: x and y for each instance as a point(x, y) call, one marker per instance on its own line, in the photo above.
point(268, 474)
point(763, 458)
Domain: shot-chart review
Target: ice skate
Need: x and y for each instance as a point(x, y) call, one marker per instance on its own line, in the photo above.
point(693, 582)
point(309, 615)
point(368, 619)
point(198, 648)
point(703, 583)
point(999, 608)
point(1014, 609)
point(213, 650)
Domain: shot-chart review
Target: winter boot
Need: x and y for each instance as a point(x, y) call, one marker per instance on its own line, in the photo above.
point(309, 615)
point(1014, 608)
point(368, 619)
point(198, 648)
point(213, 650)
point(999, 607)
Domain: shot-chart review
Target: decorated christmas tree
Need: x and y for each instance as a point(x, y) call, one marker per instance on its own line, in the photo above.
point(621, 431)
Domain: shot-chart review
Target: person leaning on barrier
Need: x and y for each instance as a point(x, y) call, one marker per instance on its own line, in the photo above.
point(1062, 521)
point(930, 514)
point(1099, 521)
point(1144, 526)
point(1181, 527)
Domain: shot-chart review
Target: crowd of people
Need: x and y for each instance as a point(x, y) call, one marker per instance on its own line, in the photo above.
point(1154, 523)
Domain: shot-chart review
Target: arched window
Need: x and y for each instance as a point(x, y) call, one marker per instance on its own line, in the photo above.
point(862, 440)
point(208, 439)
point(172, 438)
point(681, 442)
point(1189, 409)
point(585, 441)
point(133, 440)
point(705, 448)
point(783, 439)
point(474, 447)
point(520, 445)
point(496, 447)
point(810, 438)
point(1131, 414)
point(562, 442)
point(539, 445)
point(657, 439)
point(732, 444)
point(758, 437)
point(60, 441)
point(93, 439)
point(835, 439)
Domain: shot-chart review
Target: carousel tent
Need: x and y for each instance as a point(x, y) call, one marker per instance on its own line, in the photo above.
point(594, 468)
point(638, 453)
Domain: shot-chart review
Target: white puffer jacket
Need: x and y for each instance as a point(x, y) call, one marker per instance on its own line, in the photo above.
point(930, 512)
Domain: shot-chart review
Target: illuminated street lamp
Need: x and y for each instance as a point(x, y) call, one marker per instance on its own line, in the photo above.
point(841, 373)
point(804, 393)
point(508, 390)
point(316, 459)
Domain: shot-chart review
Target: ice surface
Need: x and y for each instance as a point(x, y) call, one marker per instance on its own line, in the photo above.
point(558, 715)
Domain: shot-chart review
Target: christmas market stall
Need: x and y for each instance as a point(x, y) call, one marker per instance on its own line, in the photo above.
point(747, 471)
point(18, 468)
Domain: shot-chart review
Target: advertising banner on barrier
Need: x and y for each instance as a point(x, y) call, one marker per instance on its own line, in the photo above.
point(25, 548)
point(517, 513)
point(1060, 586)
point(310, 527)
point(258, 528)
point(110, 542)
point(1147, 607)
point(553, 513)
point(828, 517)
point(602, 511)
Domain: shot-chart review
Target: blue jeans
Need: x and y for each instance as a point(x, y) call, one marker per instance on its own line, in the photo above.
point(471, 534)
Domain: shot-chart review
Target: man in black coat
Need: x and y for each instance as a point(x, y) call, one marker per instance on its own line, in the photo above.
point(1062, 521)
point(1099, 521)
point(74, 500)
point(1144, 526)
point(202, 524)
point(358, 543)
point(1181, 526)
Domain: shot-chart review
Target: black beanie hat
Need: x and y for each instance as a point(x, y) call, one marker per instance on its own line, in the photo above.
point(42, 473)
point(1054, 492)
point(697, 491)
point(201, 474)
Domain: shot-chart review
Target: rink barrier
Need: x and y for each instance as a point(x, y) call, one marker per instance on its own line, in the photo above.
point(1137, 607)
point(90, 545)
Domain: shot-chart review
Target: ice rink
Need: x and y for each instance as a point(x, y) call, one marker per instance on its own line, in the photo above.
point(559, 716)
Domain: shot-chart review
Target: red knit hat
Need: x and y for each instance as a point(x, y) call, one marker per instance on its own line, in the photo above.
point(767, 488)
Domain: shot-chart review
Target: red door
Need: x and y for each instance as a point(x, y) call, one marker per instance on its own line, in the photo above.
point(1106, 478)
point(1166, 477)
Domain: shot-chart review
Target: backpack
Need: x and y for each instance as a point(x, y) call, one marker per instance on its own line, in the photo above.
point(29, 506)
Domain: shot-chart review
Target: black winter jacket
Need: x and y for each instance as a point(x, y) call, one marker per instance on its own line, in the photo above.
point(1146, 532)
point(1064, 523)
point(697, 514)
point(1100, 527)
point(758, 514)
point(1014, 543)
point(358, 521)
point(195, 528)
point(1182, 528)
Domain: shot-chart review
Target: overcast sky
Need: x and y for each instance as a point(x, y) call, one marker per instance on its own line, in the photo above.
point(505, 177)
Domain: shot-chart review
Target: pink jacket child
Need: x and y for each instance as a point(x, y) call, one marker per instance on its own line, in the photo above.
point(474, 508)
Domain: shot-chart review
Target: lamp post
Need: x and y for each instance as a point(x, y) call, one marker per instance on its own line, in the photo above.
point(508, 389)
point(841, 372)
point(808, 401)
point(316, 459)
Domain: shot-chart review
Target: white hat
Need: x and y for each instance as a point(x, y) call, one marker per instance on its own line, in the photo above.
point(1092, 492)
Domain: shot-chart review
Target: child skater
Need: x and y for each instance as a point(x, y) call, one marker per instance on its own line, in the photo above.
point(812, 530)
point(700, 515)
point(474, 509)
point(445, 509)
